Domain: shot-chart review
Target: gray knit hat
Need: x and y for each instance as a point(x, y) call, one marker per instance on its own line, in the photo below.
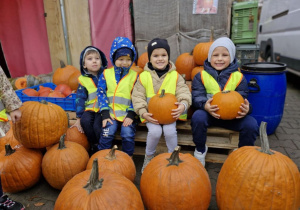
point(223, 42)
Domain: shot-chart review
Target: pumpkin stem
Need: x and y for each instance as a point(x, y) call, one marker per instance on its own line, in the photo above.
point(191, 53)
point(62, 64)
point(44, 102)
point(61, 144)
point(265, 147)
point(174, 158)
point(162, 94)
point(211, 34)
point(111, 155)
point(94, 183)
point(225, 91)
point(8, 150)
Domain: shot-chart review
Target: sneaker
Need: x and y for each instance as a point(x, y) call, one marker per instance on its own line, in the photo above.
point(201, 156)
point(147, 161)
point(7, 203)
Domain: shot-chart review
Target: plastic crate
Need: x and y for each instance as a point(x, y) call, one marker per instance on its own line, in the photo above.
point(247, 53)
point(67, 103)
point(244, 22)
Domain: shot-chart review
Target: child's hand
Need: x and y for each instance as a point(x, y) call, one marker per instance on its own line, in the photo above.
point(15, 115)
point(245, 109)
point(127, 122)
point(78, 126)
point(177, 112)
point(148, 117)
point(211, 108)
point(104, 122)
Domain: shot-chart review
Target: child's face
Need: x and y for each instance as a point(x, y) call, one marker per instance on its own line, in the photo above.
point(123, 61)
point(159, 58)
point(92, 63)
point(220, 58)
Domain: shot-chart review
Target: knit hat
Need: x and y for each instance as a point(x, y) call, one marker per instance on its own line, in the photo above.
point(124, 51)
point(223, 42)
point(87, 50)
point(158, 43)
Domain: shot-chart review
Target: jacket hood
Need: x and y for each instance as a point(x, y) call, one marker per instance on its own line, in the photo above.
point(102, 55)
point(231, 68)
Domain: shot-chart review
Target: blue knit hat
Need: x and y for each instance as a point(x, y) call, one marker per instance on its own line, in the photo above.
point(124, 51)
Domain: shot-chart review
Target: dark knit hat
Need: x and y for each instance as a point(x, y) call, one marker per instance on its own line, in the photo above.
point(124, 51)
point(158, 43)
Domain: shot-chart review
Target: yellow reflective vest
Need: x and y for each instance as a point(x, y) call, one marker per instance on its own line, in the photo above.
point(91, 104)
point(212, 87)
point(3, 115)
point(119, 95)
point(169, 84)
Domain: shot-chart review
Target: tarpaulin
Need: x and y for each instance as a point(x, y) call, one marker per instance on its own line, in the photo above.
point(23, 36)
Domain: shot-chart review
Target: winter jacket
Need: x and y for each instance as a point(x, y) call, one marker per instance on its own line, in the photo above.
point(82, 93)
point(139, 99)
point(199, 95)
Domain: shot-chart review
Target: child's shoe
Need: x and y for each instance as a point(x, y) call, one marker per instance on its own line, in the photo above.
point(7, 203)
point(147, 161)
point(201, 156)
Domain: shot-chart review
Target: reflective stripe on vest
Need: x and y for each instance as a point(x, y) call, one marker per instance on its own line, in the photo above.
point(92, 103)
point(119, 95)
point(3, 115)
point(212, 87)
point(169, 84)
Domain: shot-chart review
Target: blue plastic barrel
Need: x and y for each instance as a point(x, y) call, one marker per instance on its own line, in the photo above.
point(267, 90)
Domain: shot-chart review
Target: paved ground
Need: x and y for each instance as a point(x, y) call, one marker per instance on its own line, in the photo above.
point(286, 140)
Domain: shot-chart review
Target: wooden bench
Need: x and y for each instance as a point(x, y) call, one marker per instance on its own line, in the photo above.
point(221, 142)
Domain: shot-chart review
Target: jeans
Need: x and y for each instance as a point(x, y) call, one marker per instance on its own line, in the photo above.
point(201, 120)
point(127, 134)
point(91, 123)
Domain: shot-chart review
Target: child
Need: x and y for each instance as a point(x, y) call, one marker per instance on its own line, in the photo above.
point(221, 70)
point(9, 103)
point(114, 96)
point(160, 73)
point(92, 64)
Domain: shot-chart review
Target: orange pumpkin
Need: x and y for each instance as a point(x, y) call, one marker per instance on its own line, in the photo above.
point(44, 90)
point(62, 74)
point(201, 50)
point(185, 64)
point(173, 181)
point(9, 138)
point(196, 70)
point(142, 60)
point(74, 135)
point(114, 160)
point(41, 124)
point(94, 189)
point(19, 83)
point(161, 105)
point(30, 92)
point(70, 159)
point(56, 94)
point(258, 178)
point(64, 89)
point(20, 168)
point(229, 103)
point(73, 80)
point(137, 69)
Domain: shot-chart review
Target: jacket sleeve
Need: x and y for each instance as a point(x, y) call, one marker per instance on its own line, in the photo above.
point(183, 93)
point(101, 92)
point(199, 97)
point(81, 97)
point(139, 99)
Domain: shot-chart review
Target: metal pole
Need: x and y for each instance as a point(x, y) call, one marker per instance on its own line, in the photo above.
point(62, 9)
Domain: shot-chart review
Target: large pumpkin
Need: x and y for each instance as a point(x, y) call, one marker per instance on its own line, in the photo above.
point(70, 158)
point(142, 60)
point(116, 161)
point(229, 103)
point(94, 189)
point(175, 181)
point(196, 70)
point(20, 168)
point(74, 135)
point(161, 105)
point(201, 50)
point(41, 125)
point(185, 64)
point(258, 178)
point(9, 138)
point(73, 80)
point(62, 74)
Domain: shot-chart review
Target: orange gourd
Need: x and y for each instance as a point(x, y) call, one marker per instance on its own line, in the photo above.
point(62, 74)
point(258, 178)
point(64, 89)
point(161, 105)
point(142, 60)
point(30, 92)
point(56, 94)
point(44, 90)
point(175, 181)
point(229, 103)
point(74, 135)
point(185, 64)
point(114, 160)
point(73, 80)
point(19, 83)
point(201, 50)
point(196, 70)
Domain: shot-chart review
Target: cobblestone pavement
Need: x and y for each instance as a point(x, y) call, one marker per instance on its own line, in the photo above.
point(286, 140)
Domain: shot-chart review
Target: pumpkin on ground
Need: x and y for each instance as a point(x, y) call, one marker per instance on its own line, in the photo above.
point(142, 60)
point(74, 135)
point(185, 64)
point(175, 181)
point(161, 105)
point(94, 189)
point(114, 160)
point(9, 138)
point(62, 74)
point(63, 161)
point(41, 124)
point(229, 103)
point(256, 177)
point(20, 168)
point(196, 70)
point(201, 50)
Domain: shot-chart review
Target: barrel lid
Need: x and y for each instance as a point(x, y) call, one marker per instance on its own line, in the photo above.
point(264, 66)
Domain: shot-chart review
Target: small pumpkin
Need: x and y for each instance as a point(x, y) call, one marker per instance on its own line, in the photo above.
point(56, 94)
point(142, 60)
point(9, 138)
point(161, 105)
point(185, 64)
point(257, 177)
point(229, 103)
point(43, 90)
point(201, 50)
point(74, 135)
point(32, 80)
point(30, 92)
point(19, 83)
point(94, 189)
point(173, 181)
point(73, 80)
point(196, 70)
point(116, 161)
point(62, 74)
point(64, 89)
